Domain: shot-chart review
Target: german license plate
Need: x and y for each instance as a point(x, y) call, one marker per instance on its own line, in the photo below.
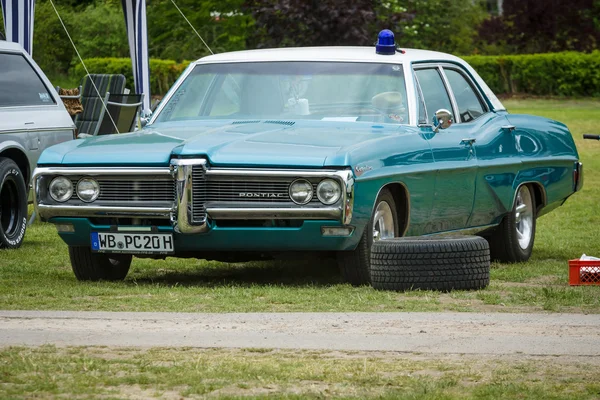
point(132, 243)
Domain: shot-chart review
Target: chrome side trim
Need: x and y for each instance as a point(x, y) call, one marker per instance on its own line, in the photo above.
point(464, 231)
point(50, 211)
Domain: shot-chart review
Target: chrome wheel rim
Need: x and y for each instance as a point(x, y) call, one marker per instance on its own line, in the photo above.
point(383, 222)
point(9, 205)
point(524, 217)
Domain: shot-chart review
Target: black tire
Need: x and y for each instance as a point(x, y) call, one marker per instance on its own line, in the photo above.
point(13, 205)
point(504, 240)
point(429, 263)
point(89, 266)
point(355, 265)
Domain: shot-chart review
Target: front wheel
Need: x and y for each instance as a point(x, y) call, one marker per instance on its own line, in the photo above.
point(512, 241)
point(355, 265)
point(13, 205)
point(89, 266)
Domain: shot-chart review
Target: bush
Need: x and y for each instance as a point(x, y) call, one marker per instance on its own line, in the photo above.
point(163, 73)
point(553, 74)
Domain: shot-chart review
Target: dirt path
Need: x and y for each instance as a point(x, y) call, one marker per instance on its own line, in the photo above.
point(437, 333)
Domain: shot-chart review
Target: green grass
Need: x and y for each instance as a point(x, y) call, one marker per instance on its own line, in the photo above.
point(38, 276)
point(99, 372)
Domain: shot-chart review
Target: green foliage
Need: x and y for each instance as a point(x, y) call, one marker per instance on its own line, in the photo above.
point(162, 72)
point(310, 23)
point(447, 25)
point(51, 47)
point(97, 30)
point(219, 23)
point(534, 26)
point(554, 74)
point(442, 25)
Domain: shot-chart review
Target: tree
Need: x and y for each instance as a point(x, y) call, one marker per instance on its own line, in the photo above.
point(445, 25)
point(442, 25)
point(220, 23)
point(540, 26)
point(282, 23)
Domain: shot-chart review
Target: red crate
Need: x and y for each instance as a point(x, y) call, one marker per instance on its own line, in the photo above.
point(584, 272)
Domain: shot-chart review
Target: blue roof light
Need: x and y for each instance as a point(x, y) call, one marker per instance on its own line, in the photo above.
point(385, 43)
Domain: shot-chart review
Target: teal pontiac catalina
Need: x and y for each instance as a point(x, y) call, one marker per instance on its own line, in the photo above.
point(285, 152)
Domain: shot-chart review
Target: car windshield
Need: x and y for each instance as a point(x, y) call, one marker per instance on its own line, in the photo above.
point(334, 91)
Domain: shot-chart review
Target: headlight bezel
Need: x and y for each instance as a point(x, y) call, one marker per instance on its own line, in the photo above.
point(310, 193)
point(69, 191)
point(336, 184)
point(94, 183)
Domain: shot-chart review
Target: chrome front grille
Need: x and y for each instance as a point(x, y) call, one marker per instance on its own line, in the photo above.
point(251, 191)
point(125, 190)
point(224, 190)
point(198, 194)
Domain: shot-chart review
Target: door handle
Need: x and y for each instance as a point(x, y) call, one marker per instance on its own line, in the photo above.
point(469, 141)
point(29, 123)
point(509, 128)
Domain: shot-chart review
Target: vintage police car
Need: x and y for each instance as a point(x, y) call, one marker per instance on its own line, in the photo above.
point(257, 153)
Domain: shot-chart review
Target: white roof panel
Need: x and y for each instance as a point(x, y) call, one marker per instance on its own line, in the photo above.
point(327, 54)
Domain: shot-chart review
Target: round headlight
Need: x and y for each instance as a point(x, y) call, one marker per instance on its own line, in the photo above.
point(301, 191)
point(61, 189)
point(329, 191)
point(88, 189)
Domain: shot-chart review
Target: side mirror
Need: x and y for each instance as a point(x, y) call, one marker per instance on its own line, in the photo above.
point(144, 120)
point(442, 119)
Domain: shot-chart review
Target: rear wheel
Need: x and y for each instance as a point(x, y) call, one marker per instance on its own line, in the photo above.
point(355, 265)
point(89, 266)
point(13, 205)
point(513, 240)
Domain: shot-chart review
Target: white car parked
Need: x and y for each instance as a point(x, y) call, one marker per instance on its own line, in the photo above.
point(32, 118)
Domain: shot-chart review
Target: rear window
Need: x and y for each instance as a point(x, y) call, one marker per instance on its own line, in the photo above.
point(20, 85)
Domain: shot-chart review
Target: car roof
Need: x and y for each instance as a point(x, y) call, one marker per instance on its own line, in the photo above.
point(6, 45)
point(366, 54)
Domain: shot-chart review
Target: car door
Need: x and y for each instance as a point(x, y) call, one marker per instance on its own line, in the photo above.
point(453, 152)
point(493, 143)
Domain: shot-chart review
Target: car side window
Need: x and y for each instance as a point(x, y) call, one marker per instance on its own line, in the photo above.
point(434, 91)
point(469, 105)
point(20, 85)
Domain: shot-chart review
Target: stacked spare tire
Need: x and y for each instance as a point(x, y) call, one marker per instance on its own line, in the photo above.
point(430, 263)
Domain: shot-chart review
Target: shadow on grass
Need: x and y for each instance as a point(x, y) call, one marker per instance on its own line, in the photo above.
point(269, 273)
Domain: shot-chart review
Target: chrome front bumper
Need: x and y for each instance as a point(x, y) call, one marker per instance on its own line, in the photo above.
point(180, 213)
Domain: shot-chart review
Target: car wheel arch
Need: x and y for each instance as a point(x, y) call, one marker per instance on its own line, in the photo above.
point(539, 195)
point(401, 197)
point(20, 158)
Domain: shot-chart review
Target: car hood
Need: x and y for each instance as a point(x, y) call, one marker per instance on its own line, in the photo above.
point(256, 143)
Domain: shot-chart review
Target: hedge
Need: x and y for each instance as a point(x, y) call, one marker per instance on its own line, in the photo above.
point(555, 74)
